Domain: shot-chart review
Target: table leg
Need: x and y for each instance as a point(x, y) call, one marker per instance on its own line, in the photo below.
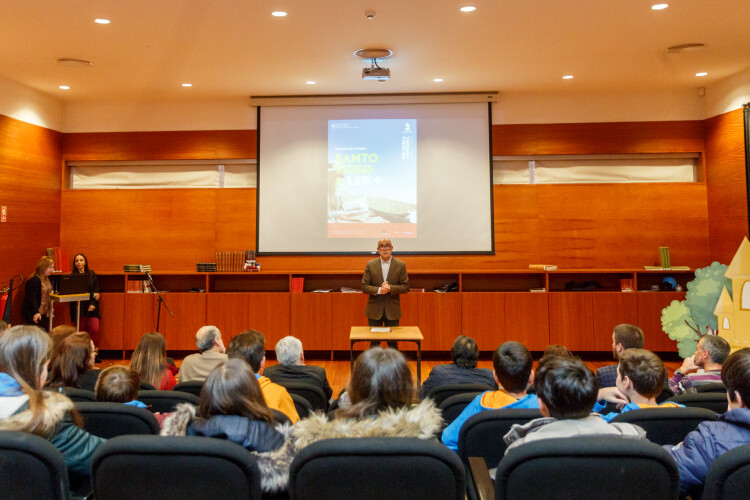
point(78, 317)
point(419, 364)
point(51, 313)
point(351, 355)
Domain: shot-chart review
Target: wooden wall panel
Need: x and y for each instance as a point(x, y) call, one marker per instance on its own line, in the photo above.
point(527, 319)
point(141, 318)
point(189, 311)
point(269, 314)
point(650, 305)
point(112, 309)
point(611, 309)
point(348, 311)
point(483, 318)
point(311, 313)
point(439, 320)
point(229, 312)
point(726, 184)
point(571, 320)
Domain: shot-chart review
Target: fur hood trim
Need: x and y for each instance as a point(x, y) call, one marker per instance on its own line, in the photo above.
point(421, 421)
point(273, 465)
point(56, 406)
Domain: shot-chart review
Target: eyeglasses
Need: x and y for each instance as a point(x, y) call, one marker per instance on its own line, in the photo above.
point(385, 246)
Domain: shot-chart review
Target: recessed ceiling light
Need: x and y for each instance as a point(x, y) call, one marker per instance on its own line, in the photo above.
point(310, 82)
point(437, 80)
point(101, 21)
point(702, 73)
point(64, 87)
point(278, 13)
point(568, 77)
point(659, 6)
point(468, 8)
point(187, 84)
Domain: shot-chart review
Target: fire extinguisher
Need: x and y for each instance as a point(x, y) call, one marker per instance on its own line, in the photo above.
point(3, 300)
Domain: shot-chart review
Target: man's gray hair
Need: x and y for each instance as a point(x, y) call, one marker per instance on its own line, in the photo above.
point(717, 348)
point(206, 337)
point(288, 351)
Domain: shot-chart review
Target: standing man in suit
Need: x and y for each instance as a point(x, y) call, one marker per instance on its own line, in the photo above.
point(385, 278)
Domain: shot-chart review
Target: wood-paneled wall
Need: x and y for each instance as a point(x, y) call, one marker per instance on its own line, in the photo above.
point(30, 188)
point(726, 184)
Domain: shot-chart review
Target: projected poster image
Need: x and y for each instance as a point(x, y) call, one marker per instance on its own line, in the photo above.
point(372, 178)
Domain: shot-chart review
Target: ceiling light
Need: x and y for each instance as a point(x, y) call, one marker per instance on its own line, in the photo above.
point(187, 84)
point(310, 82)
point(437, 80)
point(659, 6)
point(702, 73)
point(101, 21)
point(64, 87)
point(686, 47)
point(74, 63)
point(468, 8)
point(278, 13)
point(568, 77)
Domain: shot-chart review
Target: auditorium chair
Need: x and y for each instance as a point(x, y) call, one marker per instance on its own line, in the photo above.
point(302, 405)
point(158, 467)
point(729, 476)
point(166, 401)
point(31, 467)
point(79, 395)
point(580, 467)
point(314, 395)
point(715, 387)
point(454, 405)
point(145, 386)
point(667, 425)
point(193, 387)
point(442, 392)
point(108, 420)
point(714, 401)
point(376, 469)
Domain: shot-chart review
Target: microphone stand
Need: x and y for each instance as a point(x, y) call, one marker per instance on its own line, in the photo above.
point(161, 301)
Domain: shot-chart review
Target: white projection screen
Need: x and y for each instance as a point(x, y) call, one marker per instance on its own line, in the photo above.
point(336, 179)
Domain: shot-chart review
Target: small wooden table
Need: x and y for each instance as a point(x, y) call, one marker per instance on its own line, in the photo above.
point(400, 333)
point(73, 297)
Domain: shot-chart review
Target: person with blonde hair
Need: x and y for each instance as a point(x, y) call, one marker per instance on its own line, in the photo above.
point(149, 361)
point(36, 304)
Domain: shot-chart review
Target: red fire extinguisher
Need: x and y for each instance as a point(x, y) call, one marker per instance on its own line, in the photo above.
point(3, 300)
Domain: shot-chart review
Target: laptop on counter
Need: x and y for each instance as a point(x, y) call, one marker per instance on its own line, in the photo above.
point(73, 283)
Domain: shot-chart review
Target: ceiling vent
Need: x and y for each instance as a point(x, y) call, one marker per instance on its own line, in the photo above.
point(685, 47)
point(74, 63)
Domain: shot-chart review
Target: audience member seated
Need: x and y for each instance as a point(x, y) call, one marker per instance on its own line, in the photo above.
point(250, 346)
point(640, 378)
point(556, 350)
point(292, 367)
point(24, 406)
point(232, 407)
point(210, 353)
point(463, 369)
point(701, 447)
point(3, 326)
point(513, 372)
point(624, 337)
point(60, 332)
point(149, 361)
point(72, 363)
point(567, 393)
point(710, 354)
point(118, 384)
point(381, 391)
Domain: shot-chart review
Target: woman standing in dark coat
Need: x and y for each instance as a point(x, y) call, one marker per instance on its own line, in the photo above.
point(89, 308)
point(36, 303)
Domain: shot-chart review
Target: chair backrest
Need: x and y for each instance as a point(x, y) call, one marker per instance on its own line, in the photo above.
point(587, 467)
point(454, 405)
point(715, 401)
point(314, 395)
point(166, 401)
point(108, 420)
point(376, 468)
point(279, 417)
point(482, 434)
point(729, 476)
point(302, 405)
point(667, 425)
point(79, 395)
point(193, 387)
point(159, 467)
point(145, 386)
point(714, 387)
point(442, 392)
point(31, 467)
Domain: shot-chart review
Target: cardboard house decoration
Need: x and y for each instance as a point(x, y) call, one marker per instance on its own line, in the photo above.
point(734, 314)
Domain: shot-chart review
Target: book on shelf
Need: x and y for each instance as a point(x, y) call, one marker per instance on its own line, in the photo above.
point(660, 268)
point(346, 289)
point(543, 267)
point(298, 284)
point(538, 290)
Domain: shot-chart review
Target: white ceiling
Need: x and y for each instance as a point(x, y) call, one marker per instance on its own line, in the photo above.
point(231, 48)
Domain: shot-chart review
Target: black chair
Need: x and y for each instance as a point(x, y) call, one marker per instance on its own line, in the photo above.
point(108, 420)
point(279, 417)
point(314, 395)
point(193, 387)
point(454, 405)
point(376, 468)
point(714, 387)
point(79, 395)
point(729, 476)
point(581, 467)
point(667, 425)
point(31, 467)
point(166, 401)
point(714, 401)
point(157, 467)
point(145, 386)
point(442, 392)
point(302, 405)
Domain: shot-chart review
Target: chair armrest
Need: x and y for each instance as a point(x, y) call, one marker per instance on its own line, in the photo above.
point(481, 476)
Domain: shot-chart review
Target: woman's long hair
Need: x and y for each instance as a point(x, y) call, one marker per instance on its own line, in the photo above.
point(232, 389)
point(381, 379)
point(42, 266)
point(71, 357)
point(149, 359)
point(74, 269)
point(24, 352)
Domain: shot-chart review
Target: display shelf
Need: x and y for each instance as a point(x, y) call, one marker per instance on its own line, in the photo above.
point(503, 281)
point(248, 282)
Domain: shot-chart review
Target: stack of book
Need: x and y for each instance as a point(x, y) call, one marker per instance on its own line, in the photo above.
point(136, 268)
point(543, 267)
point(298, 285)
point(138, 286)
point(230, 261)
point(205, 267)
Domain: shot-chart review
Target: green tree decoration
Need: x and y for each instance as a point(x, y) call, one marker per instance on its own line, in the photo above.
point(686, 320)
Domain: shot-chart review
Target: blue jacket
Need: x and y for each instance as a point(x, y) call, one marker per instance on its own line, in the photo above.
point(701, 447)
point(450, 434)
point(630, 406)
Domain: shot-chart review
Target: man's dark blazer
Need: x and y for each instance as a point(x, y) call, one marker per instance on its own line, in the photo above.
point(387, 302)
point(306, 374)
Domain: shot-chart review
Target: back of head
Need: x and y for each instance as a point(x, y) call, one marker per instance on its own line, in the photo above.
point(24, 350)
point(644, 369)
point(717, 348)
point(205, 337)
point(58, 333)
point(630, 336)
point(71, 357)
point(381, 379)
point(288, 351)
point(150, 358)
point(117, 384)
point(512, 363)
point(249, 346)
point(556, 350)
point(735, 374)
point(232, 389)
point(566, 386)
point(465, 352)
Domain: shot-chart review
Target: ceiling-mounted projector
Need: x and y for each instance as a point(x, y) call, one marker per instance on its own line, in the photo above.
point(376, 73)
